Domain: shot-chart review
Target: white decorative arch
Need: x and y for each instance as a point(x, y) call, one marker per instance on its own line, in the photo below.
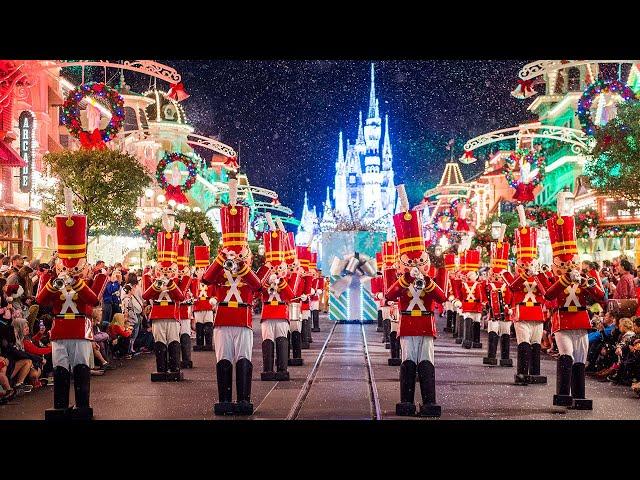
point(147, 67)
point(541, 67)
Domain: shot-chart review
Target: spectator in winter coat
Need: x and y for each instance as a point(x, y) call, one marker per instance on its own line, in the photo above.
point(111, 299)
point(120, 335)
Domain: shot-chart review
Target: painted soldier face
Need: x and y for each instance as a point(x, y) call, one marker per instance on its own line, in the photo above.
point(79, 270)
point(472, 276)
point(166, 272)
point(561, 267)
point(422, 262)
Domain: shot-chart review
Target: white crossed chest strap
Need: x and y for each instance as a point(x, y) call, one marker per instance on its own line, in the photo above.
point(69, 304)
point(233, 288)
point(470, 295)
point(572, 298)
point(203, 291)
point(275, 296)
point(415, 298)
point(529, 292)
point(164, 295)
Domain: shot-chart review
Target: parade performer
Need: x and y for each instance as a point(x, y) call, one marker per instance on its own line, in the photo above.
point(235, 286)
point(499, 325)
point(182, 308)
point(473, 297)
point(415, 291)
point(456, 281)
point(527, 300)
point(274, 322)
point(447, 306)
point(389, 310)
point(303, 290)
point(295, 320)
point(317, 288)
point(570, 320)
point(163, 293)
point(72, 302)
point(205, 300)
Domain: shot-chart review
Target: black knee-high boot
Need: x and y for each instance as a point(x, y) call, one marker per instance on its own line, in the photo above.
point(563, 396)
point(296, 349)
point(505, 343)
point(386, 335)
point(407, 407)
point(379, 328)
point(244, 368)
point(305, 334)
point(160, 349)
point(459, 329)
point(315, 316)
point(394, 361)
point(82, 390)
point(491, 359)
point(224, 374)
point(522, 364)
point(207, 331)
point(467, 339)
point(476, 335)
point(578, 388)
point(174, 373)
point(427, 377)
point(534, 366)
point(199, 337)
point(61, 387)
point(282, 346)
point(185, 351)
point(268, 348)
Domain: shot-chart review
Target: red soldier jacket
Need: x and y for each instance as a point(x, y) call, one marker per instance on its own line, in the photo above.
point(275, 305)
point(72, 308)
point(303, 286)
point(416, 306)
point(570, 312)
point(163, 303)
point(318, 286)
point(377, 286)
point(494, 301)
point(471, 294)
point(234, 292)
point(202, 295)
point(526, 298)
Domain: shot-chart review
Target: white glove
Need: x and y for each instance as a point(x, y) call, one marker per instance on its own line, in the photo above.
point(313, 292)
point(457, 303)
point(273, 278)
point(416, 273)
point(380, 296)
point(574, 276)
point(303, 297)
point(213, 301)
point(451, 298)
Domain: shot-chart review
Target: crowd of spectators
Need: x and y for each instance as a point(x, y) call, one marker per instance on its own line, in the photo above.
point(121, 329)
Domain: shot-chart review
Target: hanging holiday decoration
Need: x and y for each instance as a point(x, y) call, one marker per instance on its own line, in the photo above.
point(524, 89)
point(177, 92)
point(539, 214)
point(173, 186)
point(95, 138)
point(585, 219)
point(460, 210)
point(531, 165)
point(601, 87)
point(443, 222)
point(467, 158)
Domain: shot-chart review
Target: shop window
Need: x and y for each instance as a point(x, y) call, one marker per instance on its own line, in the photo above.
point(130, 120)
point(573, 83)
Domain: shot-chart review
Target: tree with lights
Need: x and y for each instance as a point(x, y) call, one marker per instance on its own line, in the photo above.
point(615, 160)
point(106, 186)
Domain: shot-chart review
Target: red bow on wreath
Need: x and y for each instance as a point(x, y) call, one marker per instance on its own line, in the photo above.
point(524, 192)
point(92, 141)
point(177, 92)
point(232, 162)
point(175, 193)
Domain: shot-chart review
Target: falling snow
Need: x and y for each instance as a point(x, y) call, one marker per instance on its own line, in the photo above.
point(284, 116)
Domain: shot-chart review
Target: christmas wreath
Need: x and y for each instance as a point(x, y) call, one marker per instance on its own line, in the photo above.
point(539, 215)
point(70, 115)
point(586, 219)
point(175, 191)
point(524, 189)
point(591, 92)
point(440, 221)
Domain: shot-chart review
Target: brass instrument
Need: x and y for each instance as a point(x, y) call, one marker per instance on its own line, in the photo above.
point(161, 282)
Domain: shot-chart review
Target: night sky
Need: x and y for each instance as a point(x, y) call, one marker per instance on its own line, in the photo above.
point(285, 115)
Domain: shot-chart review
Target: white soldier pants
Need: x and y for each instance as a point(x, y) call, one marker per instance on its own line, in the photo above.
point(69, 353)
point(475, 316)
point(272, 329)
point(314, 304)
point(501, 328)
point(204, 316)
point(574, 343)
point(305, 314)
point(417, 349)
point(165, 331)
point(185, 327)
point(295, 318)
point(232, 343)
point(386, 312)
point(529, 332)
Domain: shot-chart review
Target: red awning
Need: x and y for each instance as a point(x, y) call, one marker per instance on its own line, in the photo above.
point(9, 158)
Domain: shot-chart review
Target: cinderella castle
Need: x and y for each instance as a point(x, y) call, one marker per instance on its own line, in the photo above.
point(364, 193)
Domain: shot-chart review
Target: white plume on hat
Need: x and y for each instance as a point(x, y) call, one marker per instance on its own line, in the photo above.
point(233, 191)
point(205, 239)
point(68, 201)
point(402, 196)
point(272, 226)
point(183, 227)
point(280, 225)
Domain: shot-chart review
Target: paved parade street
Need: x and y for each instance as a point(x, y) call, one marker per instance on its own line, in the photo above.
point(334, 384)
